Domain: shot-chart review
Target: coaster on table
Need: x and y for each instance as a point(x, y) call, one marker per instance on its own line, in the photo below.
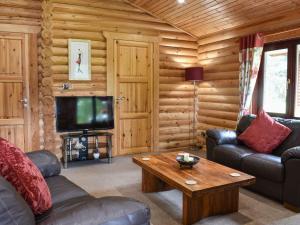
point(145, 159)
point(191, 182)
point(235, 174)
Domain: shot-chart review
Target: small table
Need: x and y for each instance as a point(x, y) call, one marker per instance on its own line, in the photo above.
point(216, 191)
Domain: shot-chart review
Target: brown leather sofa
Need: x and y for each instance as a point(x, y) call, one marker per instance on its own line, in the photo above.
point(277, 174)
point(71, 204)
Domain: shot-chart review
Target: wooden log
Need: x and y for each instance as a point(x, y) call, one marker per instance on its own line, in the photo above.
point(217, 122)
point(219, 91)
point(175, 94)
point(65, 69)
point(177, 51)
point(119, 5)
point(86, 10)
point(176, 87)
point(174, 130)
point(221, 75)
point(172, 72)
point(179, 43)
point(220, 60)
point(219, 83)
point(232, 50)
point(174, 123)
point(176, 137)
point(175, 109)
point(170, 80)
point(63, 43)
point(219, 106)
point(218, 114)
point(175, 144)
point(179, 59)
point(175, 101)
point(175, 116)
point(218, 99)
point(65, 34)
point(218, 45)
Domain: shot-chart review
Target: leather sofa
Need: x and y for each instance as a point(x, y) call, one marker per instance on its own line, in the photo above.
point(277, 174)
point(71, 204)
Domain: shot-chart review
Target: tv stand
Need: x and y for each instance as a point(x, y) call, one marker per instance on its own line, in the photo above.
point(85, 131)
point(80, 146)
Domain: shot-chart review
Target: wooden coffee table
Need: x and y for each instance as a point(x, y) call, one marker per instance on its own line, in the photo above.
point(216, 191)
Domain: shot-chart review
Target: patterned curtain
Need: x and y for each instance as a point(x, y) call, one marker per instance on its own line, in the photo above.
point(251, 48)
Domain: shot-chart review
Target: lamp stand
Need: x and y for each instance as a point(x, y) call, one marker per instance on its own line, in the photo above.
point(194, 147)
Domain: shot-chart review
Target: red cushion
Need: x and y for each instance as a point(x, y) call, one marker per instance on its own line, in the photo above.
point(20, 171)
point(264, 134)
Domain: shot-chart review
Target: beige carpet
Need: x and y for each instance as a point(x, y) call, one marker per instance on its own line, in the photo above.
point(123, 178)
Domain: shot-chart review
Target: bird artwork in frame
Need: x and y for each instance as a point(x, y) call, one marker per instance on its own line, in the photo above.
point(79, 59)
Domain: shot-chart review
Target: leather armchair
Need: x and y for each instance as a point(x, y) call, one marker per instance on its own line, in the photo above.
point(219, 137)
point(291, 160)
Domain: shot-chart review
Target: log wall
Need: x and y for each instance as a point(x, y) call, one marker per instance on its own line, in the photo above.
point(22, 12)
point(218, 95)
point(87, 19)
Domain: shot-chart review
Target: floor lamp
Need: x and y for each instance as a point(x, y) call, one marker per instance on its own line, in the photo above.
point(194, 74)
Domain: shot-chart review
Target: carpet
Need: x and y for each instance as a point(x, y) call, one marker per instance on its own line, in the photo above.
point(123, 178)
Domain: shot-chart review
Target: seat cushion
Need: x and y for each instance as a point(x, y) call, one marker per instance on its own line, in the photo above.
point(264, 134)
point(22, 173)
point(62, 189)
point(264, 165)
point(231, 155)
point(103, 211)
point(13, 208)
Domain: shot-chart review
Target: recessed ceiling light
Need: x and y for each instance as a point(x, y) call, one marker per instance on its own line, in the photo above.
point(180, 1)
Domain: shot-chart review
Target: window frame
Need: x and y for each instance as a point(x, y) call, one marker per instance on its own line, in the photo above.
point(291, 45)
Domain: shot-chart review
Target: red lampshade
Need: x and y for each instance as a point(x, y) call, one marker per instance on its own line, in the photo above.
point(194, 74)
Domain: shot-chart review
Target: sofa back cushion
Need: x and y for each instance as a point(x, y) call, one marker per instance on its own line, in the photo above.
point(21, 172)
point(292, 140)
point(13, 208)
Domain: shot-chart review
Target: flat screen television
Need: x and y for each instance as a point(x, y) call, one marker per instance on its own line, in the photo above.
point(84, 113)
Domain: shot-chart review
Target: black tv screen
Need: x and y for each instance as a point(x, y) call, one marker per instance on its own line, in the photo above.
point(84, 113)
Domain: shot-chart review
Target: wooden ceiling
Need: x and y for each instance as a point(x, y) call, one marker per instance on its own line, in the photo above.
point(204, 17)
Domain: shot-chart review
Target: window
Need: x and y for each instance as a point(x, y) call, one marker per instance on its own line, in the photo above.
point(279, 79)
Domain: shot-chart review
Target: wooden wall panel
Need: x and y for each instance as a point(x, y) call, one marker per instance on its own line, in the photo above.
point(22, 12)
point(87, 19)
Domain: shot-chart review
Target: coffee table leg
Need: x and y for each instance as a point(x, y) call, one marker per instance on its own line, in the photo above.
point(222, 202)
point(150, 183)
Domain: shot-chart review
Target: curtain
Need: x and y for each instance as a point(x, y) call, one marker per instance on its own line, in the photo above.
point(251, 48)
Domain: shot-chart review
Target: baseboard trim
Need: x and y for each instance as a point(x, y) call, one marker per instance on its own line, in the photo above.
point(291, 207)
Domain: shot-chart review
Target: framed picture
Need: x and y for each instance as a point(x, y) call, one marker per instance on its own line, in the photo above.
point(79, 59)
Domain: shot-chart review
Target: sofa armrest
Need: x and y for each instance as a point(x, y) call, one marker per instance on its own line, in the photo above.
point(292, 153)
point(102, 211)
point(222, 137)
point(216, 137)
point(46, 161)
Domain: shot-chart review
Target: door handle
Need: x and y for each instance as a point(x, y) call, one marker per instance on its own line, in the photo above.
point(120, 99)
point(24, 101)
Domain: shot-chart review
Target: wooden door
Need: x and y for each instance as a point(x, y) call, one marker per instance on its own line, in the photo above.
point(134, 80)
point(13, 92)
